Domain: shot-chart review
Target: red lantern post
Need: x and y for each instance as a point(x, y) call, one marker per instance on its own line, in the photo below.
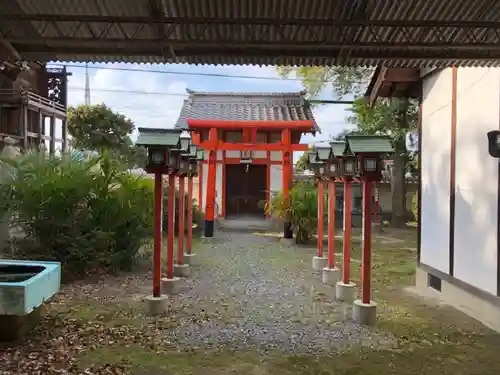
point(158, 143)
point(189, 221)
point(331, 224)
point(158, 205)
point(331, 273)
point(171, 226)
point(368, 151)
point(366, 265)
point(321, 215)
point(346, 266)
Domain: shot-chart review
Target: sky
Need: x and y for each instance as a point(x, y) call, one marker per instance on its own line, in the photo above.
point(153, 97)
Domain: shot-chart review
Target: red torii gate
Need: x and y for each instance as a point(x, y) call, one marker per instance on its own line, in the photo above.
point(249, 130)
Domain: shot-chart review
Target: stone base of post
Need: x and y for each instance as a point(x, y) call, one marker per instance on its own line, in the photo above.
point(364, 313)
point(156, 305)
point(331, 276)
point(318, 263)
point(181, 270)
point(207, 240)
point(170, 286)
point(190, 259)
point(345, 292)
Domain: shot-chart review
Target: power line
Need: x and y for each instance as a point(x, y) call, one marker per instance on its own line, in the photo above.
point(138, 92)
point(180, 73)
point(130, 92)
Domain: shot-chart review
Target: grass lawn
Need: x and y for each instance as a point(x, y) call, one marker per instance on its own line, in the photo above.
point(106, 336)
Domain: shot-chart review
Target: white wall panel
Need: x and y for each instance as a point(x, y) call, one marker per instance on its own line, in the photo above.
point(204, 187)
point(259, 154)
point(276, 178)
point(476, 179)
point(435, 170)
point(218, 188)
point(276, 155)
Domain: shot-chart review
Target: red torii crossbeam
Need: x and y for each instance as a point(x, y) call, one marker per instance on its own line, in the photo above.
point(249, 130)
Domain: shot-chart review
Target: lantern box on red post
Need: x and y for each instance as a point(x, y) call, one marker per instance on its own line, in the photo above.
point(196, 156)
point(323, 159)
point(184, 156)
point(367, 151)
point(336, 163)
point(158, 143)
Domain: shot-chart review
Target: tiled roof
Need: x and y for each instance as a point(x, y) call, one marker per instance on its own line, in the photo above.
point(245, 106)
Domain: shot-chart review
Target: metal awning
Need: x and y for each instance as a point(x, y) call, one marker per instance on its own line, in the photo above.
point(407, 33)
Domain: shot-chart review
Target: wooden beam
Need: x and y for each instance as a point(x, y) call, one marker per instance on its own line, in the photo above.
point(225, 146)
point(378, 84)
point(302, 125)
point(402, 75)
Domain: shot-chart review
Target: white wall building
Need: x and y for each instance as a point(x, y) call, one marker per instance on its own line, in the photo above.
point(459, 248)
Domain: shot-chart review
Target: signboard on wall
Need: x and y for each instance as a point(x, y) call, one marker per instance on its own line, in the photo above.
point(412, 141)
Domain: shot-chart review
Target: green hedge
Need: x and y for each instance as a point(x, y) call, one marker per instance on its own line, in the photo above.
point(88, 215)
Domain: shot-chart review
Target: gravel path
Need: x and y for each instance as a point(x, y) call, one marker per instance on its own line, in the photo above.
point(252, 292)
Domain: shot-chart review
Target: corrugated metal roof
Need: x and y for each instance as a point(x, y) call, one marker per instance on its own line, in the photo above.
point(163, 137)
point(245, 106)
point(381, 52)
point(338, 148)
point(369, 143)
point(324, 153)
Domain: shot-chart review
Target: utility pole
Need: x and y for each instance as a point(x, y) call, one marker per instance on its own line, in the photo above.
point(87, 85)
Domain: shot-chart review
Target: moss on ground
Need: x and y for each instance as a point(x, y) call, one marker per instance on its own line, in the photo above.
point(430, 338)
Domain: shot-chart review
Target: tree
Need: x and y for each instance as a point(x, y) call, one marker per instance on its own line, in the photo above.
point(393, 118)
point(387, 117)
point(301, 164)
point(344, 80)
point(98, 128)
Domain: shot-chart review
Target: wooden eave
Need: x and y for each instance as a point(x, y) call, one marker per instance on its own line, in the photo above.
point(394, 83)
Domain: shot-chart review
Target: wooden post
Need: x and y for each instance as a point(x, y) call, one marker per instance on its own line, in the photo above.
point(211, 182)
point(331, 224)
point(286, 163)
point(321, 215)
point(366, 263)
point(41, 128)
point(52, 147)
point(180, 236)
point(171, 226)
point(189, 222)
point(346, 267)
point(24, 126)
point(64, 136)
point(158, 213)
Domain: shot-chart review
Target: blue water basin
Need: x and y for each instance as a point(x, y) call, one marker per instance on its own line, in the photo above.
point(26, 285)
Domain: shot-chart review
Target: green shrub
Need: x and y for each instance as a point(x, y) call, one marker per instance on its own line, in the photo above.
point(87, 215)
point(303, 210)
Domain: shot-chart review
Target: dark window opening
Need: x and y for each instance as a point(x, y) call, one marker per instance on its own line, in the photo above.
point(434, 282)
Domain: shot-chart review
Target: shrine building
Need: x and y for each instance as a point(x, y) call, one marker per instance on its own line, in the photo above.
point(251, 134)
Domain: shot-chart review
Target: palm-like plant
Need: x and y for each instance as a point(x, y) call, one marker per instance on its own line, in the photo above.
point(302, 210)
point(87, 214)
